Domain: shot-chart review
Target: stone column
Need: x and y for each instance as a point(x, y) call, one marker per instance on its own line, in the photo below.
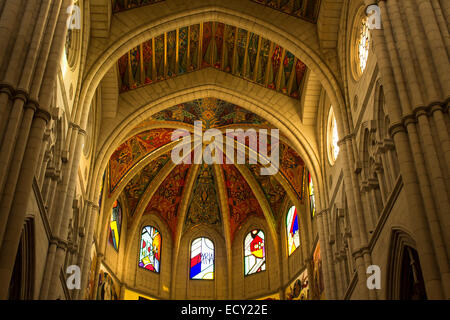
point(358, 235)
point(326, 257)
point(85, 254)
point(66, 191)
point(16, 218)
point(411, 94)
point(26, 88)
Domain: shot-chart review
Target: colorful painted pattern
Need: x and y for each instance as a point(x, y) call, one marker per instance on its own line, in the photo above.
point(115, 225)
point(212, 44)
point(106, 289)
point(168, 196)
point(241, 200)
point(317, 279)
point(304, 9)
point(254, 253)
point(293, 168)
point(137, 186)
point(202, 259)
point(121, 5)
point(134, 150)
point(292, 230)
point(150, 249)
point(273, 190)
point(204, 206)
point(299, 289)
point(212, 112)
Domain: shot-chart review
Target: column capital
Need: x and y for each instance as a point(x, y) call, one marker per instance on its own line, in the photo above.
point(40, 113)
point(359, 253)
point(345, 138)
point(396, 128)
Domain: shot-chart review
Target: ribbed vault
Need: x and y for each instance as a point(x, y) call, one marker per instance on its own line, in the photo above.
point(142, 175)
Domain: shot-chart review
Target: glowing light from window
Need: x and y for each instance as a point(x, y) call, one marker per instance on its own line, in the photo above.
point(363, 44)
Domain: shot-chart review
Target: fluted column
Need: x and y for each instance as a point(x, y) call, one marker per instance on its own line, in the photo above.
point(358, 235)
point(326, 261)
point(85, 250)
point(26, 87)
point(329, 253)
point(415, 73)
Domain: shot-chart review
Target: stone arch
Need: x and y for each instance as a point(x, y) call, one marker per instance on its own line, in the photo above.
point(265, 279)
point(118, 135)
point(23, 277)
point(120, 42)
point(300, 254)
point(401, 239)
point(101, 62)
point(154, 283)
point(193, 289)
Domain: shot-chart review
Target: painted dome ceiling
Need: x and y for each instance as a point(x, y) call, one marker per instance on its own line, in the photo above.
point(143, 176)
point(304, 9)
point(212, 45)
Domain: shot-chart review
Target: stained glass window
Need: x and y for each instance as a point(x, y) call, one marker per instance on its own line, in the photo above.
point(116, 224)
point(363, 44)
point(293, 232)
point(254, 253)
point(150, 249)
point(312, 198)
point(202, 259)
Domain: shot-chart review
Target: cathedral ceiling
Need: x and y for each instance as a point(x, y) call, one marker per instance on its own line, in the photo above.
point(304, 9)
point(211, 186)
point(212, 45)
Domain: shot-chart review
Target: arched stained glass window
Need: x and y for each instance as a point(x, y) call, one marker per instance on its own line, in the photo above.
point(293, 231)
point(312, 198)
point(333, 137)
point(202, 259)
point(254, 253)
point(150, 249)
point(363, 44)
point(116, 225)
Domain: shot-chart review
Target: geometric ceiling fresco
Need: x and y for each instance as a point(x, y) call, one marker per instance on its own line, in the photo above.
point(216, 45)
point(137, 186)
point(166, 199)
point(122, 5)
point(273, 190)
point(241, 199)
point(304, 9)
point(292, 167)
point(134, 150)
point(212, 112)
point(203, 205)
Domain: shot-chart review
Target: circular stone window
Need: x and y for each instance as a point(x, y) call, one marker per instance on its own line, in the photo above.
point(332, 138)
point(360, 47)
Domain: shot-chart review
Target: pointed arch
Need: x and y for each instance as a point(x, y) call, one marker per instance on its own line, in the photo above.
point(404, 274)
point(150, 249)
point(202, 261)
point(292, 230)
point(22, 281)
point(254, 252)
